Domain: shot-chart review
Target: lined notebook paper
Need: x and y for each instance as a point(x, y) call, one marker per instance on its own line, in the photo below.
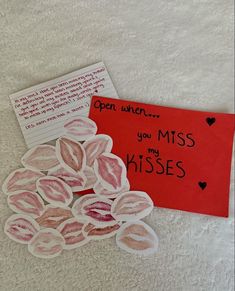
point(43, 109)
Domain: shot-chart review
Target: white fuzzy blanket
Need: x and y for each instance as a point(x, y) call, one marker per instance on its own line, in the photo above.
point(176, 53)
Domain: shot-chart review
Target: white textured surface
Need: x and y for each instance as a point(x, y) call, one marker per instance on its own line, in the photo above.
point(176, 53)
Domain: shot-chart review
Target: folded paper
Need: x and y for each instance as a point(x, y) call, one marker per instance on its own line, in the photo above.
point(181, 158)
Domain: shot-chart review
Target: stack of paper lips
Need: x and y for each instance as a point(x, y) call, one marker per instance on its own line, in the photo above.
point(48, 216)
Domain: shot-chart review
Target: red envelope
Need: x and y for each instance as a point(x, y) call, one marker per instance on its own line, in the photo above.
point(181, 158)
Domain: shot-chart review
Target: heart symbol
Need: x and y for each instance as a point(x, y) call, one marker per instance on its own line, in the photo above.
point(210, 120)
point(202, 185)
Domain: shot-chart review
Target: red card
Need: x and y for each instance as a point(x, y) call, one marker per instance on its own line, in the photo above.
point(181, 158)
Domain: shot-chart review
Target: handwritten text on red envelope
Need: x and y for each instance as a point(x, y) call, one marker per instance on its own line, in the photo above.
point(181, 158)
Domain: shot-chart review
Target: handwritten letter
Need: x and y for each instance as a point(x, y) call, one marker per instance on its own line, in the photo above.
point(43, 109)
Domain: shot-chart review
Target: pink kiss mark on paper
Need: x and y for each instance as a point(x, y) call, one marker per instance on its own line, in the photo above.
point(54, 191)
point(98, 211)
point(21, 228)
point(71, 154)
point(76, 181)
point(95, 146)
point(41, 158)
point(131, 206)
point(53, 216)
point(71, 230)
point(21, 179)
point(111, 171)
point(137, 238)
point(26, 202)
point(47, 243)
point(80, 128)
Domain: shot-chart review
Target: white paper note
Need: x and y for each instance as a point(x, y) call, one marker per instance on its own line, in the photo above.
point(43, 109)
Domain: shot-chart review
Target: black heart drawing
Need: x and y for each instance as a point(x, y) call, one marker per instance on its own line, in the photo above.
point(96, 91)
point(210, 120)
point(202, 185)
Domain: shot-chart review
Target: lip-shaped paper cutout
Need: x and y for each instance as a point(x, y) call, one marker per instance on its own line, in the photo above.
point(76, 181)
point(137, 238)
point(97, 232)
point(47, 243)
point(41, 158)
point(97, 145)
point(80, 128)
point(101, 191)
point(54, 191)
point(72, 231)
point(70, 154)
point(111, 171)
point(21, 228)
point(26, 202)
point(21, 179)
point(131, 206)
point(79, 203)
point(53, 216)
point(98, 211)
